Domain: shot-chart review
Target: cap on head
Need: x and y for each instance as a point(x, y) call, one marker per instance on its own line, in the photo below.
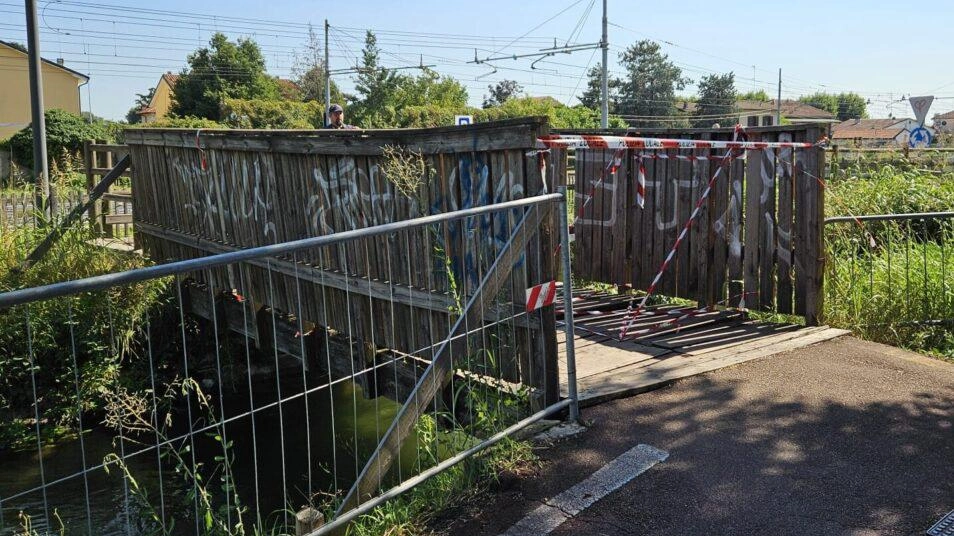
point(334, 108)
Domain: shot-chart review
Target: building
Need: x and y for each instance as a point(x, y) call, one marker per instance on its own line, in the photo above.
point(752, 113)
point(162, 97)
point(944, 122)
point(60, 88)
point(161, 101)
point(873, 132)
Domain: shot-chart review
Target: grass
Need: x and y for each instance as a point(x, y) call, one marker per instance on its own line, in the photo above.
point(891, 282)
point(100, 326)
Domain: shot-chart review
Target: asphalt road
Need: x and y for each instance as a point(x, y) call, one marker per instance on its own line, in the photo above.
point(842, 438)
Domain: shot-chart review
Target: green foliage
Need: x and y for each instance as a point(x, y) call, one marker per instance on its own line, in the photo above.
point(19, 46)
point(559, 115)
point(142, 100)
point(65, 132)
point(308, 72)
point(100, 326)
point(717, 97)
point(182, 122)
point(592, 97)
point(383, 94)
point(503, 91)
point(884, 278)
point(650, 84)
point(258, 113)
point(221, 71)
point(843, 105)
point(757, 95)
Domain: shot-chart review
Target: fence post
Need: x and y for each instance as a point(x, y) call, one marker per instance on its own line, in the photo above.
point(89, 160)
point(106, 207)
point(568, 309)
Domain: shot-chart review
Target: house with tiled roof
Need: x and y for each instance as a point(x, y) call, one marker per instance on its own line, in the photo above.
point(873, 132)
point(944, 122)
point(161, 101)
point(754, 113)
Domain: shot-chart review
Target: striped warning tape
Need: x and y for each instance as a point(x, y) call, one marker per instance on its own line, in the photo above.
point(542, 295)
point(581, 141)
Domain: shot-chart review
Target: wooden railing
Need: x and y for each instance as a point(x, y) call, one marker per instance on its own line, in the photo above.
point(111, 215)
point(757, 241)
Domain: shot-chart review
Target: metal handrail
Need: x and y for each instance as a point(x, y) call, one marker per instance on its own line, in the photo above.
point(886, 217)
point(55, 290)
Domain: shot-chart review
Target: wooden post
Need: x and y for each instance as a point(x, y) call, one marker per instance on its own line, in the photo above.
point(105, 208)
point(89, 161)
point(308, 520)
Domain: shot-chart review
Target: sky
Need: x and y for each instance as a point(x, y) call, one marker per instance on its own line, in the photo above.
point(884, 51)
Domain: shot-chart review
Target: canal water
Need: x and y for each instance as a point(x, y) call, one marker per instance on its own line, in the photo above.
point(271, 461)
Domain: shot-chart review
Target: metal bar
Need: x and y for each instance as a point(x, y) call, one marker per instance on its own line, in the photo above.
point(450, 462)
point(90, 284)
point(568, 311)
point(884, 217)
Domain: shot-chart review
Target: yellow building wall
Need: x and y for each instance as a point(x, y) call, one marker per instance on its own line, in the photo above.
point(59, 91)
point(162, 99)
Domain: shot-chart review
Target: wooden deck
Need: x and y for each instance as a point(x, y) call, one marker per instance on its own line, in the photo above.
point(666, 351)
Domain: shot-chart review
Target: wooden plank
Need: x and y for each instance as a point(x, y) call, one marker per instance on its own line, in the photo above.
point(686, 202)
point(658, 372)
point(801, 193)
point(734, 231)
point(114, 219)
point(767, 241)
point(752, 225)
point(784, 251)
point(809, 223)
point(491, 136)
point(699, 260)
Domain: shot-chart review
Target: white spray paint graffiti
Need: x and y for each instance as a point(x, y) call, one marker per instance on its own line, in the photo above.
point(207, 189)
point(341, 197)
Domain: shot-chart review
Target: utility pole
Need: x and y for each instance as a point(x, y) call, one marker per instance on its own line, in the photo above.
point(327, 78)
point(778, 102)
point(43, 194)
point(604, 44)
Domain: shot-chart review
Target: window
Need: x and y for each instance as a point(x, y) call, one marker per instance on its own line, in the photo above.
point(768, 120)
point(752, 121)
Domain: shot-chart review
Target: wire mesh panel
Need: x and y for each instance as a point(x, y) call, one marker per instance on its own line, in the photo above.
point(891, 277)
point(151, 401)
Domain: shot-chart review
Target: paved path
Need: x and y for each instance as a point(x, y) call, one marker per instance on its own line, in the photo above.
point(844, 437)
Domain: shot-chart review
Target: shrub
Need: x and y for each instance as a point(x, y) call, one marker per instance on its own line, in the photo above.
point(65, 132)
point(262, 113)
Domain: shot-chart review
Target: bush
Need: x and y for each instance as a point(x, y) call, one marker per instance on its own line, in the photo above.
point(560, 115)
point(99, 327)
point(261, 113)
point(65, 133)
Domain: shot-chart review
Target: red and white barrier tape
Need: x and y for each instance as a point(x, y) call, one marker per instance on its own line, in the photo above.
point(682, 235)
point(541, 295)
point(575, 141)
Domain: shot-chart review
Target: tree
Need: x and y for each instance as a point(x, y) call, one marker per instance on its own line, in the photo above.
point(757, 95)
point(650, 84)
point(505, 89)
point(19, 46)
point(844, 105)
point(142, 100)
point(223, 70)
point(308, 72)
point(592, 97)
point(717, 97)
point(374, 107)
point(383, 94)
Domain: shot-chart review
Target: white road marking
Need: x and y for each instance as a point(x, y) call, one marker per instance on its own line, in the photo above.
point(614, 475)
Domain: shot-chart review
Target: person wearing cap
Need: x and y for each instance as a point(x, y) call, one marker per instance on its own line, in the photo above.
point(336, 118)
